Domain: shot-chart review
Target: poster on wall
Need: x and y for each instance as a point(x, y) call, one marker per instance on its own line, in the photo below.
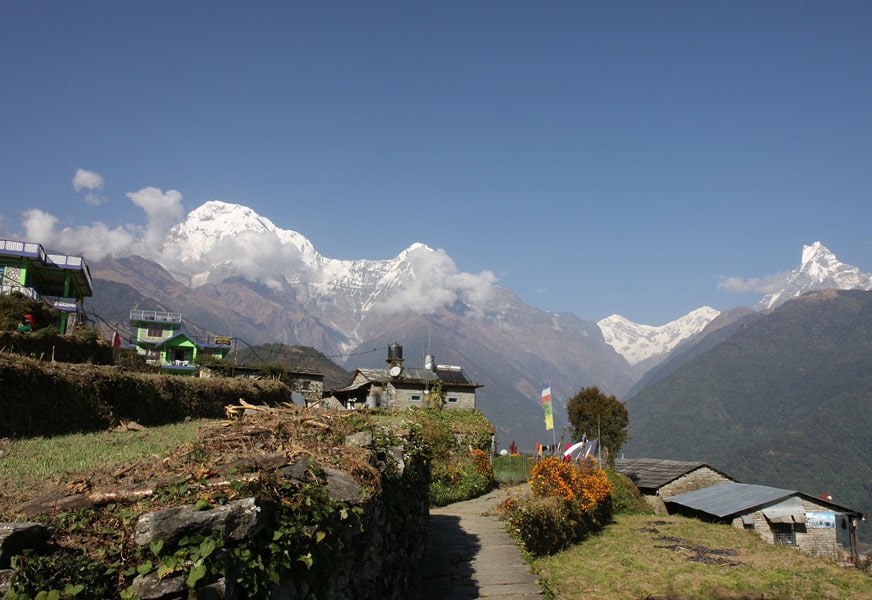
point(820, 520)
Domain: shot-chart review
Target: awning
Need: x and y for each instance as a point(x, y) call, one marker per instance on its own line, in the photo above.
point(789, 511)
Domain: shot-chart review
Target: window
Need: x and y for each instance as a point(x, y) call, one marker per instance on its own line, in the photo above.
point(783, 533)
point(415, 397)
point(453, 399)
point(155, 331)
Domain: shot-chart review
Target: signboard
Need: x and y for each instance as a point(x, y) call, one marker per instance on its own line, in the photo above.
point(223, 341)
point(820, 520)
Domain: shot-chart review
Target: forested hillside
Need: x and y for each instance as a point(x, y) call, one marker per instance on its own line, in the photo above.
point(784, 401)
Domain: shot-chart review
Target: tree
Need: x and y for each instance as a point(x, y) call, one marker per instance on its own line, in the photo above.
point(599, 416)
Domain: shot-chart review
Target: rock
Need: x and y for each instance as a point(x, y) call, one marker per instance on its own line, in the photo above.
point(235, 520)
point(17, 537)
point(341, 486)
point(151, 587)
point(361, 439)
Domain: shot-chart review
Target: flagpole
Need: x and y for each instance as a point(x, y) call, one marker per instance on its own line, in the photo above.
point(554, 437)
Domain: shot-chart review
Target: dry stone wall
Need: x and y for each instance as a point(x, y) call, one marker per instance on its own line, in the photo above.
point(371, 550)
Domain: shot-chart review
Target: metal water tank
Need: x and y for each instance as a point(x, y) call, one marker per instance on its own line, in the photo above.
point(395, 352)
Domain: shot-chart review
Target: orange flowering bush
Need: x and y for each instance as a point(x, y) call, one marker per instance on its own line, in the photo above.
point(481, 461)
point(569, 502)
point(584, 483)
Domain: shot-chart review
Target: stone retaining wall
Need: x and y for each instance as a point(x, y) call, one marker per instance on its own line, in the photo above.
point(370, 556)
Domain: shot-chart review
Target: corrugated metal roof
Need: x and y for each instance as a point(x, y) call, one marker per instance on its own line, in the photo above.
point(654, 473)
point(729, 499)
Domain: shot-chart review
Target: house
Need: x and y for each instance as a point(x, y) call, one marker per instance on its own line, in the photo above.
point(814, 525)
point(163, 342)
point(658, 478)
point(59, 280)
point(398, 386)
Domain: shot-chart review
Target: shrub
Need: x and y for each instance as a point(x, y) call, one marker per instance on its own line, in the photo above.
point(626, 498)
point(461, 478)
point(584, 482)
point(545, 525)
point(570, 501)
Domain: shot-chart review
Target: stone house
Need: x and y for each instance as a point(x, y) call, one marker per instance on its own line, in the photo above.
point(813, 525)
point(657, 478)
point(163, 342)
point(60, 281)
point(399, 386)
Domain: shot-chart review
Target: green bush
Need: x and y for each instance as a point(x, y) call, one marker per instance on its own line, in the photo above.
point(547, 525)
point(456, 481)
point(626, 498)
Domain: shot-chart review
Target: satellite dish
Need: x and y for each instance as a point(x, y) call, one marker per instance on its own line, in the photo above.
point(395, 371)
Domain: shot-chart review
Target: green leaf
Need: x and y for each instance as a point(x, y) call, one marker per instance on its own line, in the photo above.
point(72, 590)
point(196, 574)
point(207, 546)
point(202, 505)
point(320, 536)
point(144, 567)
point(156, 546)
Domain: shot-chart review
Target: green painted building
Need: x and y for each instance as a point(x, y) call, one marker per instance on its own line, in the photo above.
point(160, 338)
point(60, 281)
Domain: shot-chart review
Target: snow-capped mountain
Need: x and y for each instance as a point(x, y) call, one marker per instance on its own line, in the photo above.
point(234, 273)
point(820, 269)
point(220, 240)
point(646, 345)
point(637, 343)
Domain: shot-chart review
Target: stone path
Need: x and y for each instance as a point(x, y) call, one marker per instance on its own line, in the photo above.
point(470, 555)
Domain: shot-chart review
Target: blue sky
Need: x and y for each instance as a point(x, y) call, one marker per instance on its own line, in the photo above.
point(598, 158)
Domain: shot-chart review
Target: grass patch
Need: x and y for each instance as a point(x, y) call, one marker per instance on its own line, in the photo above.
point(28, 459)
point(674, 558)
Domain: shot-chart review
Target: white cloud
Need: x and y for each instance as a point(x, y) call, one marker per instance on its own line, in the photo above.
point(434, 282)
point(90, 181)
point(87, 180)
point(39, 225)
point(97, 241)
point(764, 285)
point(162, 211)
point(257, 256)
point(94, 242)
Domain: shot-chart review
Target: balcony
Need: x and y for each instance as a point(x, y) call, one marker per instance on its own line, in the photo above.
point(155, 316)
point(57, 302)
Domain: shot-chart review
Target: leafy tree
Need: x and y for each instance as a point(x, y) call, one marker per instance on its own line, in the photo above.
point(600, 416)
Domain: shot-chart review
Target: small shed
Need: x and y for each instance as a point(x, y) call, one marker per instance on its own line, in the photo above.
point(658, 478)
point(778, 516)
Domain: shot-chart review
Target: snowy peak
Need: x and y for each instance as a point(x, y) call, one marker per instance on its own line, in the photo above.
point(820, 269)
point(637, 342)
point(219, 240)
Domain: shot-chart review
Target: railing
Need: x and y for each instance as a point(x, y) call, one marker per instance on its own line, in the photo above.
point(58, 302)
point(154, 315)
point(31, 249)
point(27, 291)
point(61, 261)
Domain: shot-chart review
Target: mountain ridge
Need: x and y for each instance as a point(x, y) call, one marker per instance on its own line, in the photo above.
point(235, 273)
